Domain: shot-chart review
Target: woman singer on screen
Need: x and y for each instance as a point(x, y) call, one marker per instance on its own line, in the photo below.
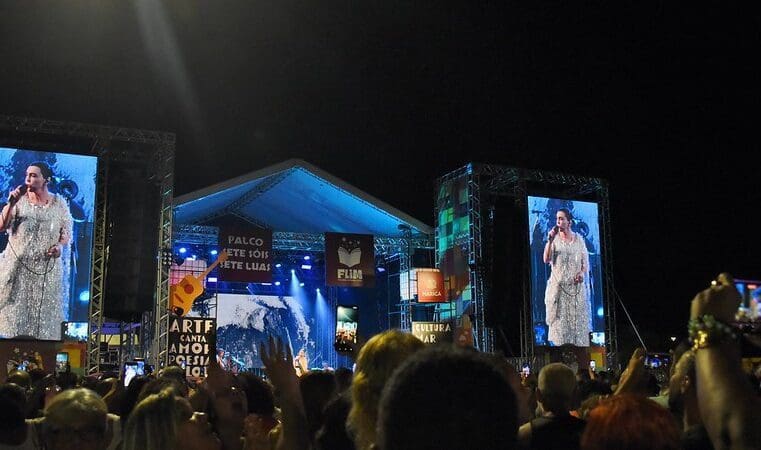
point(33, 275)
point(566, 297)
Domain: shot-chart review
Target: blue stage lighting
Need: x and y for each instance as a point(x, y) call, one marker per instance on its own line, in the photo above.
point(183, 250)
point(278, 265)
point(293, 271)
point(318, 290)
point(306, 267)
point(84, 296)
point(307, 258)
point(301, 284)
point(600, 312)
point(381, 269)
point(277, 283)
point(214, 253)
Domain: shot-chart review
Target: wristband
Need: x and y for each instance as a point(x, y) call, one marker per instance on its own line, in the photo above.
point(706, 331)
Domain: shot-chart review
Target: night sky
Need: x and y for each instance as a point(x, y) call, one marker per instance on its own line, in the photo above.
point(660, 100)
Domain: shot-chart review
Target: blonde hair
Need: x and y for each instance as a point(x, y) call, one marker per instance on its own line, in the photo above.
point(153, 423)
point(376, 362)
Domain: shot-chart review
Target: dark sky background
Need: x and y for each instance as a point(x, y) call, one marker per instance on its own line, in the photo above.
point(661, 100)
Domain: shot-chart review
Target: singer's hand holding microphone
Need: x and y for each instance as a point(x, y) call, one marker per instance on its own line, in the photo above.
point(16, 194)
point(553, 232)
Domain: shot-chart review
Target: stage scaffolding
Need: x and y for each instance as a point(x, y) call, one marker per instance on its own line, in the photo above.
point(388, 248)
point(484, 183)
point(156, 153)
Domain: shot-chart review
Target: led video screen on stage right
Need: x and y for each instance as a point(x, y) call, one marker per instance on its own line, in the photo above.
point(566, 272)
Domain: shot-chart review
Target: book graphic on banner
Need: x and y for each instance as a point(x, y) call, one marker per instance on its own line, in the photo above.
point(349, 258)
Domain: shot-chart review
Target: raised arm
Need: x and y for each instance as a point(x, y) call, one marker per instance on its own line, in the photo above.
point(278, 365)
point(548, 246)
point(728, 404)
point(8, 211)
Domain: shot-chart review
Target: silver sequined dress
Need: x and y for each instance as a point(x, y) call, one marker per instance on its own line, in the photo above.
point(567, 303)
point(34, 289)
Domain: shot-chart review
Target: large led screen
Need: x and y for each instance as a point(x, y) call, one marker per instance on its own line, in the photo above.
point(566, 272)
point(46, 241)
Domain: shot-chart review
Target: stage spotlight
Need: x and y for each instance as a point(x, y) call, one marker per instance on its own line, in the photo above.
point(214, 253)
point(307, 258)
point(293, 271)
point(167, 257)
point(318, 290)
point(193, 257)
point(277, 283)
point(600, 312)
point(306, 267)
point(278, 265)
point(381, 269)
point(84, 296)
point(301, 284)
point(183, 250)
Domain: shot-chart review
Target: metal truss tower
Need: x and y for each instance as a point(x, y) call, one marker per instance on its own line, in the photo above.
point(484, 183)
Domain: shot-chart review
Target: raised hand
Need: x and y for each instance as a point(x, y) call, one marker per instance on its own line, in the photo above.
point(721, 300)
point(632, 376)
point(278, 365)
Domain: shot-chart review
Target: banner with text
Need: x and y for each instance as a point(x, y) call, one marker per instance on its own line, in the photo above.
point(349, 260)
point(249, 255)
point(192, 341)
point(430, 286)
point(433, 332)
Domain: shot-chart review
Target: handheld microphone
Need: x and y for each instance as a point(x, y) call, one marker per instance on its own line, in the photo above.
point(555, 229)
point(23, 188)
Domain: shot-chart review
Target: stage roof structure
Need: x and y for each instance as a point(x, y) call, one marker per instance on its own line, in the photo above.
point(296, 196)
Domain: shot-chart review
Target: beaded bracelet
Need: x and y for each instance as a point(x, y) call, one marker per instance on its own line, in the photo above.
point(706, 331)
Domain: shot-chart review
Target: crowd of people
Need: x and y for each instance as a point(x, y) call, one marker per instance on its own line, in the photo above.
point(404, 394)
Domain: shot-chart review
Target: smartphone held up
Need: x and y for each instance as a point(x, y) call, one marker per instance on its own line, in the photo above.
point(347, 321)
